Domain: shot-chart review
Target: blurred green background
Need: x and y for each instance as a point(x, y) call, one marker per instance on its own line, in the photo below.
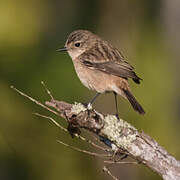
point(147, 33)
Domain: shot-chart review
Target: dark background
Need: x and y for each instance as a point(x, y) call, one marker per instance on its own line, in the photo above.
point(146, 32)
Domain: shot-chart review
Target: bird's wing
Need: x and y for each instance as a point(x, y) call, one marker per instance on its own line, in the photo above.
point(105, 58)
point(117, 69)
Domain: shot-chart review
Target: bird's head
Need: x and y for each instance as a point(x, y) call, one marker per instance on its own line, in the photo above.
point(78, 42)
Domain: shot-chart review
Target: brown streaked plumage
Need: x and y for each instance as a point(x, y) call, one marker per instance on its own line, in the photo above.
point(100, 66)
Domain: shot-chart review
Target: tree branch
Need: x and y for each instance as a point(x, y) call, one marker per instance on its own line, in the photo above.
point(117, 134)
point(122, 136)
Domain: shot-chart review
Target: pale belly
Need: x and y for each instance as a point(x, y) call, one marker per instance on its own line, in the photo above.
point(96, 80)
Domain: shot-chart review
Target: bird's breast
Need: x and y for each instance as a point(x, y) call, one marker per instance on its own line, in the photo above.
point(83, 74)
point(93, 79)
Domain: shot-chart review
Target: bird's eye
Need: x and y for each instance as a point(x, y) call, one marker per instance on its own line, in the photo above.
point(77, 44)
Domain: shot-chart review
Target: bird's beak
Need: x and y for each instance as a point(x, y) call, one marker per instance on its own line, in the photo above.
point(62, 49)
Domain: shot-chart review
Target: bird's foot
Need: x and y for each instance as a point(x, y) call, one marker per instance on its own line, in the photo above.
point(88, 106)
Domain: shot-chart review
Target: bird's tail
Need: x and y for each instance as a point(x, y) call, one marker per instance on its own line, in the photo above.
point(136, 106)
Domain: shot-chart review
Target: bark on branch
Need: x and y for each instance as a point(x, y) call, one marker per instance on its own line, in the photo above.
point(123, 137)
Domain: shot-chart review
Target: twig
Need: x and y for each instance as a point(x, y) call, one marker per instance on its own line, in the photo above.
point(47, 90)
point(121, 162)
point(92, 143)
point(52, 120)
point(106, 170)
point(34, 100)
point(84, 151)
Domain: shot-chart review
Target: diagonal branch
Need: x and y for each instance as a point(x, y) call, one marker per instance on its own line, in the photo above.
point(119, 135)
point(124, 137)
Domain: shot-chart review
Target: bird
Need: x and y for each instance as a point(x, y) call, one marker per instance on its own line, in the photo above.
point(101, 67)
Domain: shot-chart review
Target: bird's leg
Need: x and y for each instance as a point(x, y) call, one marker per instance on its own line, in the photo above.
point(94, 98)
point(115, 97)
point(89, 105)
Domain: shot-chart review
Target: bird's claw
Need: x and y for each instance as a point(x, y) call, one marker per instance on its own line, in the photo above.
point(89, 106)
